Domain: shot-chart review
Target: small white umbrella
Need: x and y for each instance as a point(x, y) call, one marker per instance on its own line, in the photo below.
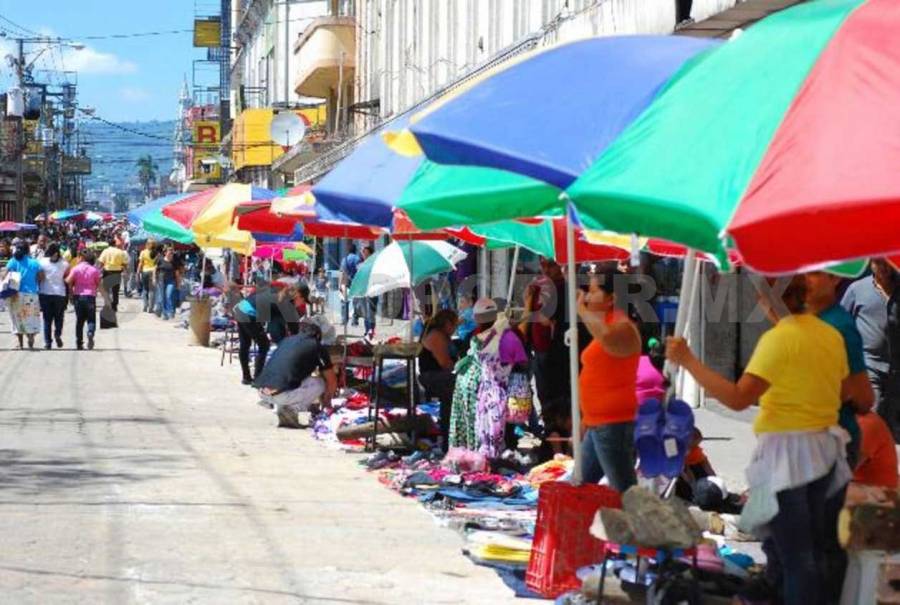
point(404, 265)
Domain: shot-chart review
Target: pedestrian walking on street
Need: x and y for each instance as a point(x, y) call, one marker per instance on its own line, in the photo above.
point(84, 280)
point(24, 307)
point(39, 248)
point(114, 261)
point(349, 266)
point(369, 303)
point(167, 278)
point(53, 295)
point(147, 271)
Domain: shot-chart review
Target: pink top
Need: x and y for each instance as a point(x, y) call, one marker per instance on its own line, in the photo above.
point(650, 382)
point(85, 279)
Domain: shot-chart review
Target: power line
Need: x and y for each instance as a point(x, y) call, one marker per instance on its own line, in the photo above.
point(124, 128)
point(133, 35)
point(30, 32)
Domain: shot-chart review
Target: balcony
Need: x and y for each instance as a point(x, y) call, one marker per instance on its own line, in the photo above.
point(326, 55)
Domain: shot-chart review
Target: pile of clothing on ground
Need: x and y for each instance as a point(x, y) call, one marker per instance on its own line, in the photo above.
point(352, 409)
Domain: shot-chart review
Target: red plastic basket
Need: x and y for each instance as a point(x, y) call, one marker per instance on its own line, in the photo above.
point(562, 540)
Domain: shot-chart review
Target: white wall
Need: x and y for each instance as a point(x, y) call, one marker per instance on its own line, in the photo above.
point(276, 67)
point(410, 48)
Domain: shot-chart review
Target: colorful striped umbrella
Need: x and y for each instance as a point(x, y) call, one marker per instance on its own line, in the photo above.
point(66, 215)
point(219, 214)
point(135, 216)
point(292, 251)
point(783, 141)
point(10, 226)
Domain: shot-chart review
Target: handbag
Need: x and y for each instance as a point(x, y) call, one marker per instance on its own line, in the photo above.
point(520, 398)
point(9, 285)
point(108, 319)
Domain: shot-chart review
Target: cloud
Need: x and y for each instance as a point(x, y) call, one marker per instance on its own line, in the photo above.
point(91, 61)
point(87, 61)
point(134, 94)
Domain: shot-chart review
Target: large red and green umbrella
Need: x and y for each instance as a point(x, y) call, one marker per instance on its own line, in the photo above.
point(783, 142)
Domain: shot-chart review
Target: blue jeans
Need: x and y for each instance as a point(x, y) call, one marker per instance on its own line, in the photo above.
point(348, 307)
point(168, 300)
point(371, 309)
point(805, 562)
point(148, 291)
point(85, 313)
point(608, 451)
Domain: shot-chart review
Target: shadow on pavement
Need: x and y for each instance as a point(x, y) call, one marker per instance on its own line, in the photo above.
point(177, 584)
point(26, 473)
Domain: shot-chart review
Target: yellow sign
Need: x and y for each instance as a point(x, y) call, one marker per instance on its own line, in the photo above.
point(252, 139)
point(205, 165)
point(208, 32)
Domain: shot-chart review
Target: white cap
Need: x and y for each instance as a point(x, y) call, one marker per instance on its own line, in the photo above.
point(485, 311)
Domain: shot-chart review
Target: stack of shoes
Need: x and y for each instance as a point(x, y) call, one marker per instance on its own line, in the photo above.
point(431, 456)
point(381, 460)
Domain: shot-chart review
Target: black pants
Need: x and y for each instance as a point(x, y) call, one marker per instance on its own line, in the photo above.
point(112, 281)
point(53, 308)
point(85, 313)
point(683, 10)
point(440, 384)
point(248, 333)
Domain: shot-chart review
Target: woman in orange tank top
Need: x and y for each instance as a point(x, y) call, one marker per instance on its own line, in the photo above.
point(608, 386)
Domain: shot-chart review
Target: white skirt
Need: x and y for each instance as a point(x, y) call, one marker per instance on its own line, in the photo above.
point(784, 461)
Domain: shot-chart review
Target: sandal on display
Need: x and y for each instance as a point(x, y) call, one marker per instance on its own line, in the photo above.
point(647, 440)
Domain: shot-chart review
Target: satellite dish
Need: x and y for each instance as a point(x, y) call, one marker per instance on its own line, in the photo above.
point(287, 129)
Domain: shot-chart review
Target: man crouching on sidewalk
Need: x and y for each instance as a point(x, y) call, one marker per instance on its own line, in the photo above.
point(287, 384)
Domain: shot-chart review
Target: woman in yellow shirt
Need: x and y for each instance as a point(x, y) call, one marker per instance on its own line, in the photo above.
point(799, 471)
point(146, 269)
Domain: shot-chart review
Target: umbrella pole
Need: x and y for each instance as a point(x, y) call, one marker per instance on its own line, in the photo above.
point(413, 366)
point(685, 330)
point(412, 291)
point(572, 338)
point(685, 308)
point(512, 278)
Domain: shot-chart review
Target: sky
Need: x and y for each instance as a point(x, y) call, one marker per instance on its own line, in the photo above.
point(123, 79)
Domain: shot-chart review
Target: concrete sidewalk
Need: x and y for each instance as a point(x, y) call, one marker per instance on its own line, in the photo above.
point(142, 472)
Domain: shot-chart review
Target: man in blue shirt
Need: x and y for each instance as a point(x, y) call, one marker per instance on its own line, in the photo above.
point(874, 304)
point(349, 266)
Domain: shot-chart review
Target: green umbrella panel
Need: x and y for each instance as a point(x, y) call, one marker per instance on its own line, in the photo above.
point(159, 225)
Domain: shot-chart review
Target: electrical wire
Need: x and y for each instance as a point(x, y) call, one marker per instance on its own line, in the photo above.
point(29, 32)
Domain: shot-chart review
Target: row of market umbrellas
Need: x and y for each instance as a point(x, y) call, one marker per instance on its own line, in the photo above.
point(737, 149)
point(777, 148)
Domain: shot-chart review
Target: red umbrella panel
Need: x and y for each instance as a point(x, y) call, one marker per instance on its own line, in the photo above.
point(186, 211)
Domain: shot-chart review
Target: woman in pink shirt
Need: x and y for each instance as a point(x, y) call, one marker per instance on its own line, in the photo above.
point(651, 384)
point(84, 280)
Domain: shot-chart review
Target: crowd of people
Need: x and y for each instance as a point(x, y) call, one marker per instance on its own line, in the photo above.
point(62, 265)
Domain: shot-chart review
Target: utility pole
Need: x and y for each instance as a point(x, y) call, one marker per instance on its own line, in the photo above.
point(20, 137)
